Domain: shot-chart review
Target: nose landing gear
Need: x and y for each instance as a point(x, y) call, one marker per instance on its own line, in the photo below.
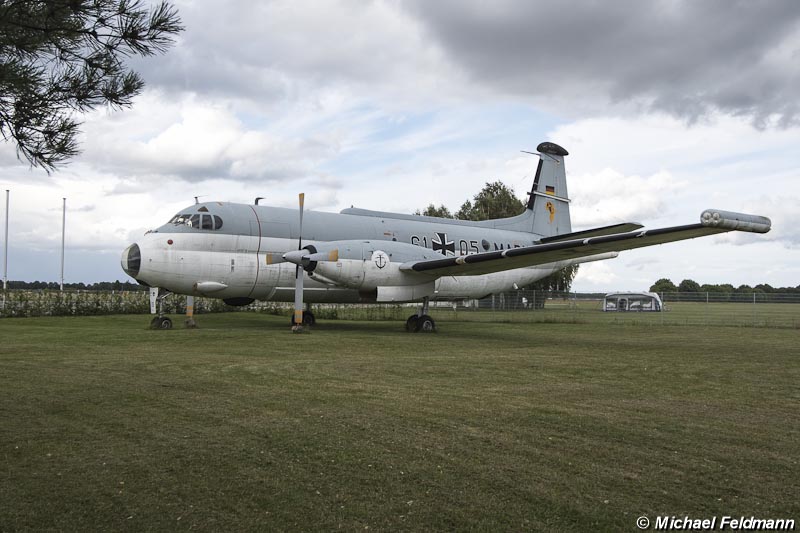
point(161, 322)
point(157, 306)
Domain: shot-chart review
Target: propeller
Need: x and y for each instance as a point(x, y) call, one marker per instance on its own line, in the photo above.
point(302, 257)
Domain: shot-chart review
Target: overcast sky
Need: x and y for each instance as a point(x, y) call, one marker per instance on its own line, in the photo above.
point(666, 107)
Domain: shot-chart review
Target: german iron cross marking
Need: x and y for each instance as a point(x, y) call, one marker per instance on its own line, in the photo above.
point(442, 245)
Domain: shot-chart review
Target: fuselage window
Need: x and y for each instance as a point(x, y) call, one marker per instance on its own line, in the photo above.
point(217, 222)
point(208, 222)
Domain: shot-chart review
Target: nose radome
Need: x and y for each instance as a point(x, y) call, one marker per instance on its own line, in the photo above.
point(132, 260)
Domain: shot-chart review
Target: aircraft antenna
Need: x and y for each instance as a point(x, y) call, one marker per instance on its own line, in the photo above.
point(259, 198)
point(197, 198)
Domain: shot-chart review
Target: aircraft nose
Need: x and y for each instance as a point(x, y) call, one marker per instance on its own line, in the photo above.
point(132, 260)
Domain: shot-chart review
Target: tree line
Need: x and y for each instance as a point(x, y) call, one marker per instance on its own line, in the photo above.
point(99, 286)
point(665, 285)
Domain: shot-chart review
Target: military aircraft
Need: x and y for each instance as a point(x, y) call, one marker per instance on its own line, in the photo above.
point(242, 253)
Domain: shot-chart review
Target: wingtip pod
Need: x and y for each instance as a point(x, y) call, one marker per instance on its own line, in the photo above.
point(728, 220)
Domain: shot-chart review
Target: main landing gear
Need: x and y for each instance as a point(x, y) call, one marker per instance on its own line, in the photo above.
point(308, 318)
point(421, 321)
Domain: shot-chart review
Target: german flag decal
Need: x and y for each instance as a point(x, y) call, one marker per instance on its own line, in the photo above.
point(550, 190)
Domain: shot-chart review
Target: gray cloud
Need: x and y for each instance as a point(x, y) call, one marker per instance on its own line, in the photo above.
point(685, 58)
point(682, 57)
point(272, 51)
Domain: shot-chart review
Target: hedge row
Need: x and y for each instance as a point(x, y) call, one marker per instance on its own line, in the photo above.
point(23, 303)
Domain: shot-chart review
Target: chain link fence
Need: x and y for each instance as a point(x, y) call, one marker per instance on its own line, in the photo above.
point(756, 309)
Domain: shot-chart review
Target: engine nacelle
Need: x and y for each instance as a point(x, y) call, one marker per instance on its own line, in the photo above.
point(373, 266)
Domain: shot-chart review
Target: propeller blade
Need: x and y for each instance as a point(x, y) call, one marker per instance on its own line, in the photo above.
point(333, 255)
point(302, 199)
point(298, 296)
point(274, 259)
point(299, 274)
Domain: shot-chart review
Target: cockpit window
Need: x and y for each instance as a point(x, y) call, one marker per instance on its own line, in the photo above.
point(197, 221)
point(180, 219)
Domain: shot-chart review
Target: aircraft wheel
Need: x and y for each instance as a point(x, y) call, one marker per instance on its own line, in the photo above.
point(155, 323)
point(166, 323)
point(308, 318)
point(411, 323)
point(426, 324)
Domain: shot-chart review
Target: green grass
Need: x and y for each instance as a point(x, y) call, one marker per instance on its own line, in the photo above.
point(566, 311)
point(242, 426)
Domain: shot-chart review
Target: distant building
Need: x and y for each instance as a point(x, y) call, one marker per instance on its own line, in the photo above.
point(632, 301)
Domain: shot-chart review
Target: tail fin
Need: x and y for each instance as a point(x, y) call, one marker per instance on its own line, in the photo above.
point(547, 212)
point(548, 201)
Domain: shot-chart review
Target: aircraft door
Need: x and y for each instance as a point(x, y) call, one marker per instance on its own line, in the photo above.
point(274, 241)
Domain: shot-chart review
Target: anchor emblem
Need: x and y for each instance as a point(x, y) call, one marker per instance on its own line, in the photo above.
point(380, 259)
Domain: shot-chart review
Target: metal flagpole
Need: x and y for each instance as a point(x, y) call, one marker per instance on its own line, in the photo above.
point(63, 232)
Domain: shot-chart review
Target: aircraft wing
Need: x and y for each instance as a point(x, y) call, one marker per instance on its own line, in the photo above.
point(711, 222)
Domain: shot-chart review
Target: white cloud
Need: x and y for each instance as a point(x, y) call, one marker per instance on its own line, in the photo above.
point(610, 197)
point(596, 276)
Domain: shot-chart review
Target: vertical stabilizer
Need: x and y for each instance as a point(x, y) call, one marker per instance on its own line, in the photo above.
point(548, 199)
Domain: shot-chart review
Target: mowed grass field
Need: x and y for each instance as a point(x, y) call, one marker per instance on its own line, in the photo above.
point(772, 315)
point(242, 426)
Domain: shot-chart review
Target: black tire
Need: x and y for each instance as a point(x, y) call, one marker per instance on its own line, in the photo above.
point(166, 323)
point(308, 318)
point(411, 323)
point(425, 324)
point(155, 323)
